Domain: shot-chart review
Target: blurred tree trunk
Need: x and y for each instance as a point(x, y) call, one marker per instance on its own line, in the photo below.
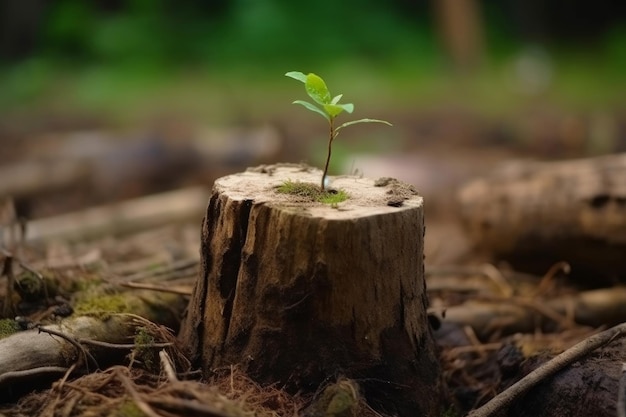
point(460, 27)
point(19, 27)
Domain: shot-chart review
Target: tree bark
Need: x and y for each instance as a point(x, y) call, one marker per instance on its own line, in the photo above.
point(297, 292)
point(535, 214)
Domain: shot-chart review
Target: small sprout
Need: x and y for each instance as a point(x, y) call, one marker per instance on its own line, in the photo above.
point(328, 107)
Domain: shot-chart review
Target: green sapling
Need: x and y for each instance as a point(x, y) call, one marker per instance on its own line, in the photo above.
point(328, 107)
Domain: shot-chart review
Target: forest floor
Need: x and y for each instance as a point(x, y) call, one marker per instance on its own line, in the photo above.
point(69, 244)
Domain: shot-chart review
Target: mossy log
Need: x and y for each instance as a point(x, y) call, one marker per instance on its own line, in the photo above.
point(33, 357)
point(535, 214)
point(298, 292)
point(89, 340)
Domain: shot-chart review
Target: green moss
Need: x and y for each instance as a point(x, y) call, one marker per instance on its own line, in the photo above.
point(8, 327)
point(143, 336)
point(127, 409)
point(95, 301)
point(340, 399)
point(86, 282)
point(312, 192)
point(333, 198)
point(143, 352)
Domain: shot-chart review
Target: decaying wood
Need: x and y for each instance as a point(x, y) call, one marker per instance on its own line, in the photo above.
point(29, 177)
point(575, 402)
point(296, 292)
point(90, 340)
point(621, 397)
point(103, 162)
point(539, 213)
point(501, 316)
point(126, 217)
point(87, 342)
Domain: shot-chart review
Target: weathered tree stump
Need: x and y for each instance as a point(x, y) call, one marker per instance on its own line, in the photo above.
point(538, 213)
point(298, 292)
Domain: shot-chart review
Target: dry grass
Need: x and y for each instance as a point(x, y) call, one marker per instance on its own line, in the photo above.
point(121, 390)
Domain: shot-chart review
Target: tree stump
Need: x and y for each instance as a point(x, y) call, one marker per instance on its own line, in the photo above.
point(297, 292)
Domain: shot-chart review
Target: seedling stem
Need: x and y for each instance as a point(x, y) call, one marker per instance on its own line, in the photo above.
point(327, 107)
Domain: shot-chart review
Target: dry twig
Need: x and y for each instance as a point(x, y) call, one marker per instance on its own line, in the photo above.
point(139, 402)
point(168, 366)
point(503, 400)
point(31, 372)
point(76, 343)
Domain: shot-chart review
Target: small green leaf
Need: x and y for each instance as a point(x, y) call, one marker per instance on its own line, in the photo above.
point(353, 122)
point(336, 99)
point(297, 75)
point(316, 89)
point(334, 110)
point(349, 107)
point(312, 107)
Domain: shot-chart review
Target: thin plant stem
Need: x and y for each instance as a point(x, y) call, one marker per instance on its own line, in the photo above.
point(330, 143)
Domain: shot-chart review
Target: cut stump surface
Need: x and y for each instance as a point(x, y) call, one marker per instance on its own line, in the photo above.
point(298, 292)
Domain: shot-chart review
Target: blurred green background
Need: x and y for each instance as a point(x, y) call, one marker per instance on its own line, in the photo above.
point(542, 78)
point(124, 58)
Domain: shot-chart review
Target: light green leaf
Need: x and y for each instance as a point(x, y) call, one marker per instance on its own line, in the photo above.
point(349, 107)
point(312, 107)
point(353, 122)
point(297, 75)
point(316, 89)
point(334, 110)
point(336, 99)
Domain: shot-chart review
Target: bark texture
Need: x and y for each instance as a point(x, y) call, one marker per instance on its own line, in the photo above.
point(536, 214)
point(297, 293)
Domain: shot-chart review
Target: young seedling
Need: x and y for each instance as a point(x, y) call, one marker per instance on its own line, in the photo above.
point(328, 107)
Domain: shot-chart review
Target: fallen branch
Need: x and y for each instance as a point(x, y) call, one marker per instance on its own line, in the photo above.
point(86, 356)
point(43, 370)
point(126, 217)
point(167, 366)
point(536, 213)
point(56, 347)
point(506, 316)
point(502, 401)
point(33, 348)
point(31, 177)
